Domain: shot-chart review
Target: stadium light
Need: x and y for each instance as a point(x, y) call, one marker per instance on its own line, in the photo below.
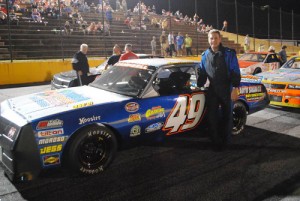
point(264, 8)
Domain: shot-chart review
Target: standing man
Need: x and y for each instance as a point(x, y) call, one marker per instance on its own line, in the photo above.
point(247, 44)
point(163, 44)
point(188, 41)
point(153, 46)
point(128, 53)
point(171, 41)
point(115, 57)
point(180, 43)
point(80, 65)
point(220, 66)
point(282, 54)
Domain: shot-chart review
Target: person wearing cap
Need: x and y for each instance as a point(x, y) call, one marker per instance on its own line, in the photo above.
point(282, 54)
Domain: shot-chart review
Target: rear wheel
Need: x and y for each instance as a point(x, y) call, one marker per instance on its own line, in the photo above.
point(239, 117)
point(92, 150)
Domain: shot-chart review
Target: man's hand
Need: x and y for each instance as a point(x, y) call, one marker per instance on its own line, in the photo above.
point(80, 72)
point(234, 94)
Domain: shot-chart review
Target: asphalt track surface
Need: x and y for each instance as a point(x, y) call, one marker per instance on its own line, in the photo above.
point(263, 163)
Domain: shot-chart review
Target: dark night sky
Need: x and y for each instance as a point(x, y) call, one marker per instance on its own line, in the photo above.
point(206, 9)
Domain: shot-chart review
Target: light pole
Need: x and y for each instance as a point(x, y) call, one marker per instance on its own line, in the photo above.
point(236, 25)
point(263, 8)
point(217, 13)
point(280, 26)
point(253, 26)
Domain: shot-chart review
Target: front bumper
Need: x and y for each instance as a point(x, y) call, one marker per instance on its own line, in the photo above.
point(19, 151)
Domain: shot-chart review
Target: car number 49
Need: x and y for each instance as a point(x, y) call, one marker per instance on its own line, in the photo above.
point(186, 114)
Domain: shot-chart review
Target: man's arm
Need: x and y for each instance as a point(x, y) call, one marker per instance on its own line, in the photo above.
point(202, 75)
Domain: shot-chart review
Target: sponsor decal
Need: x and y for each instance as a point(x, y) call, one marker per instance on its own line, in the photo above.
point(55, 123)
point(132, 107)
point(12, 132)
point(155, 112)
point(51, 132)
point(293, 86)
point(154, 127)
point(81, 105)
point(57, 98)
point(250, 89)
point(255, 96)
point(51, 149)
point(135, 131)
point(51, 160)
point(276, 90)
point(134, 117)
point(52, 140)
point(84, 120)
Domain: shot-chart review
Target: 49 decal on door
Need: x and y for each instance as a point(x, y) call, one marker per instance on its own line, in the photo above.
point(186, 114)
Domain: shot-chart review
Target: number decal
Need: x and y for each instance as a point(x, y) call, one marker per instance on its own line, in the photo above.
point(186, 114)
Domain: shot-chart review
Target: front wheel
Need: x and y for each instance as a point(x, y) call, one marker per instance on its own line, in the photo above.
point(239, 117)
point(92, 150)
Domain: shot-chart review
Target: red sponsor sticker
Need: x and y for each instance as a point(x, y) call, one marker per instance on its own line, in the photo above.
point(132, 107)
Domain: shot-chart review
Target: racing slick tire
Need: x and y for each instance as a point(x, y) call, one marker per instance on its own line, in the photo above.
point(91, 150)
point(256, 71)
point(239, 117)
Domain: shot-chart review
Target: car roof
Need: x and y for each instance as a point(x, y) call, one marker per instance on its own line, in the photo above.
point(157, 62)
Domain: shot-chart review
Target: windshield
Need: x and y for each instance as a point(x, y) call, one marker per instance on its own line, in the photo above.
point(293, 63)
point(253, 57)
point(125, 80)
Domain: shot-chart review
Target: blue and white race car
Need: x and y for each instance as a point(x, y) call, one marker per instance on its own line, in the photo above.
point(82, 127)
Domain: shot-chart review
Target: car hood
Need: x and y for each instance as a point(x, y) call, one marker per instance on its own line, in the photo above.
point(282, 75)
point(38, 105)
point(72, 73)
point(245, 64)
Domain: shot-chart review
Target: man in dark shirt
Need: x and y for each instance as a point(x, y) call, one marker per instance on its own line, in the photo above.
point(220, 66)
point(115, 57)
point(80, 65)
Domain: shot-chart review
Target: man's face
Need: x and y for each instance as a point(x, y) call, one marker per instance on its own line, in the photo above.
point(84, 50)
point(214, 40)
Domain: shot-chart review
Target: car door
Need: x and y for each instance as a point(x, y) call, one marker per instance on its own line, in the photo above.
point(271, 63)
point(178, 106)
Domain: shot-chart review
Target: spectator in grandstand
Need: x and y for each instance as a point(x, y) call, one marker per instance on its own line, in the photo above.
point(99, 27)
point(196, 18)
point(86, 7)
point(128, 53)
point(67, 28)
point(164, 24)
point(282, 54)
point(80, 64)
point(132, 24)
point(180, 43)
point(115, 57)
point(247, 43)
point(153, 45)
point(171, 42)
point(118, 5)
point(108, 15)
point(127, 22)
point(106, 29)
point(92, 28)
point(14, 19)
point(3, 14)
point(124, 5)
point(36, 16)
point(188, 41)
point(154, 22)
point(154, 9)
point(163, 44)
point(225, 25)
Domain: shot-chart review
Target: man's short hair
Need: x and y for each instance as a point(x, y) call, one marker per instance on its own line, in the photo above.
point(284, 47)
point(128, 46)
point(214, 31)
point(83, 46)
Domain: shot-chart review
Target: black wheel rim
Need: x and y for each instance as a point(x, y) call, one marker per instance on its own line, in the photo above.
point(93, 152)
point(238, 119)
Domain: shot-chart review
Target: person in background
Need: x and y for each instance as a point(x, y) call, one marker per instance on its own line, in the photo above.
point(115, 57)
point(271, 49)
point(188, 41)
point(128, 53)
point(80, 64)
point(219, 65)
point(171, 42)
point(153, 46)
point(67, 28)
point(225, 25)
point(180, 43)
point(163, 44)
point(282, 54)
point(247, 43)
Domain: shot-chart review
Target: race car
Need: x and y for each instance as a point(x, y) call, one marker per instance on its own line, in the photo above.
point(69, 78)
point(283, 85)
point(82, 127)
point(257, 62)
